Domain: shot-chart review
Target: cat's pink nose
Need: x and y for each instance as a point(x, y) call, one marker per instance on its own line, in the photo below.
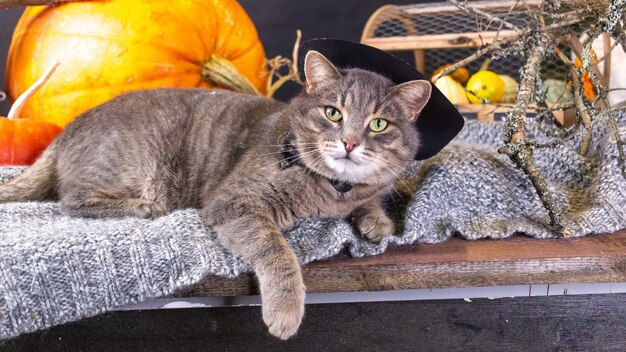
point(350, 143)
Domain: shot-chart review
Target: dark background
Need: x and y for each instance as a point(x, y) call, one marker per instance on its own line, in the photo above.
point(8, 19)
point(276, 22)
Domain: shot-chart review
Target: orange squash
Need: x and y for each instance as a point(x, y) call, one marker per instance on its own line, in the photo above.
point(106, 48)
point(460, 75)
point(23, 140)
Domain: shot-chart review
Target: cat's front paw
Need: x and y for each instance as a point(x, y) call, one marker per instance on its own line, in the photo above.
point(146, 209)
point(283, 312)
point(375, 227)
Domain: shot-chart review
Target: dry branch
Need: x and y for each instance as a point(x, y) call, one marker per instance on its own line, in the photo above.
point(581, 108)
point(517, 146)
point(276, 79)
point(498, 45)
point(603, 97)
point(474, 11)
point(557, 21)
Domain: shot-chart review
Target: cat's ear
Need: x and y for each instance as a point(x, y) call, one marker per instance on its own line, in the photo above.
point(412, 95)
point(318, 71)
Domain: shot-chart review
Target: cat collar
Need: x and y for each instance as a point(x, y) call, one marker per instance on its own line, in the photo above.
point(438, 123)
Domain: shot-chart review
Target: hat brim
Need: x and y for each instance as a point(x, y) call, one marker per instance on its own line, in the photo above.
point(438, 123)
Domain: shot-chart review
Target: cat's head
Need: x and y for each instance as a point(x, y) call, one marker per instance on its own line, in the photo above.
point(354, 125)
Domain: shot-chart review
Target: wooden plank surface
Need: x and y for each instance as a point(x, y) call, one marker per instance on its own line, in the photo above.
point(493, 6)
point(486, 112)
point(454, 263)
point(550, 323)
point(438, 41)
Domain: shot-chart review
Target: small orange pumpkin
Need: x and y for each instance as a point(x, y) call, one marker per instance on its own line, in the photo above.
point(460, 75)
point(22, 140)
point(110, 47)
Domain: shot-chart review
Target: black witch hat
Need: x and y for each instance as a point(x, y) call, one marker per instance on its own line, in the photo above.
point(438, 123)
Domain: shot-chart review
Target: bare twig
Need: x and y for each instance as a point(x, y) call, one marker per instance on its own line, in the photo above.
point(606, 57)
point(495, 45)
point(581, 108)
point(577, 48)
point(603, 96)
point(517, 147)
point(583, 113)
point(278, 62)
point(555, 19)
point(620, 106)
point(620, 35)
point(551, 144)
point(500, 44)
point(615, 14)
point(474, 11)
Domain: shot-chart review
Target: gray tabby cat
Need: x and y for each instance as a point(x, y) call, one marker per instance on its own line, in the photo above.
point(253, 165)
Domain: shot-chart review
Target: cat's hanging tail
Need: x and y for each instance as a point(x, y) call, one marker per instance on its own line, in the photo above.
point(36, 183)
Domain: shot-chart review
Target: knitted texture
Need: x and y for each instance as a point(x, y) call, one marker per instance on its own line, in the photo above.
point(56, 269)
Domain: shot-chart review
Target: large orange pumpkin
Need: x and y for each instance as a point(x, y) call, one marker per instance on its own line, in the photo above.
point(106, 48)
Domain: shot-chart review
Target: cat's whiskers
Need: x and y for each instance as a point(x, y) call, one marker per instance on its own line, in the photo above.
point(385, 163)
point(280, 145)
point(406, 187)
point(387, 181)
point(402, 169)
point(305, 149)
point(310, 169)
point(288, 159)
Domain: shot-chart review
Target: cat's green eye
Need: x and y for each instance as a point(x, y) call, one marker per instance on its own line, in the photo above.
point(378, 124)
point(333, 114)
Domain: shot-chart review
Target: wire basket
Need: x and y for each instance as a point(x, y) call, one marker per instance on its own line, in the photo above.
point(440, 33)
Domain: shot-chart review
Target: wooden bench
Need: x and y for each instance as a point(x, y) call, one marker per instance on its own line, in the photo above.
point(560, 322)
point(455, 263)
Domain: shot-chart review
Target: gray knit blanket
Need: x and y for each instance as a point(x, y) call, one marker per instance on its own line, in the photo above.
point(56, 269)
